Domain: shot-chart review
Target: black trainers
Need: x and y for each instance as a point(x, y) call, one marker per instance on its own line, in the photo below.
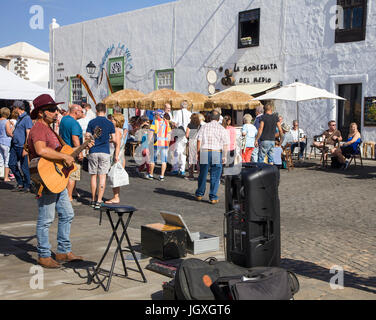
point(18, 189)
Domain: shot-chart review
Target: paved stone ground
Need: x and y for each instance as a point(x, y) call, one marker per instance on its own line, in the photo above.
point(327, 219)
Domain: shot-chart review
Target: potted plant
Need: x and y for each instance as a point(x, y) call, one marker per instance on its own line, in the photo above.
point(246, 41)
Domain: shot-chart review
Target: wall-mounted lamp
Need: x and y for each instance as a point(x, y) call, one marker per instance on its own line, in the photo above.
point(90, 69)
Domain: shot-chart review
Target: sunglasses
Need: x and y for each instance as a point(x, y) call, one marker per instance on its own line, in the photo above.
point(51, 109)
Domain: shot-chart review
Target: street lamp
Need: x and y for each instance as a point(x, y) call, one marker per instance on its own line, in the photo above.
point(90, 69)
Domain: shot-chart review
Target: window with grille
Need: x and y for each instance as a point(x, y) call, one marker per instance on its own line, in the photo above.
point(351, 20)
point(76, 91)
point(164, 79)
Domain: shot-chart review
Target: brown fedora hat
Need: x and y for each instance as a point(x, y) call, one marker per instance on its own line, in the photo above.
point(43, 100)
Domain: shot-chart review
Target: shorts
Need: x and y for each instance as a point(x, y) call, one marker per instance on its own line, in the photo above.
point(76, 176)
point(99, 163)
point(161, 152)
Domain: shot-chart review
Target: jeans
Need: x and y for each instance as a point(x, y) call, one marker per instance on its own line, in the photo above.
point(209, 160)
point(301, 150)
point(15, 155)
point(255, 155)
point(47, 204)
point(266, 148)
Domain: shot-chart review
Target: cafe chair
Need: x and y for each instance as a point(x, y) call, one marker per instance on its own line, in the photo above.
point(314, 149)
point(357, 154)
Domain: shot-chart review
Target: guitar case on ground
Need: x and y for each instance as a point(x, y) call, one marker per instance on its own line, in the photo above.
point(211, 279)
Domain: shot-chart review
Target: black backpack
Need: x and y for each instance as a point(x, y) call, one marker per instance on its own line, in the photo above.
point(222, 280)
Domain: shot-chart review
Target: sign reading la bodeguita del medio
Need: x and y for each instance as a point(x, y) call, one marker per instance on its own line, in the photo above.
point(255, 68)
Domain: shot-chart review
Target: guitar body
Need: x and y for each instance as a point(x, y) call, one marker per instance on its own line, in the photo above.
point(54, 175)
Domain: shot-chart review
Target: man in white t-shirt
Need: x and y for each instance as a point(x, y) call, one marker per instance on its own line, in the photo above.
point(89, 115)
point(181, 120)
point(297, 138)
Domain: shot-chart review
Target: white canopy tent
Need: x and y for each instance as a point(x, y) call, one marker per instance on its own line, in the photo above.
point(13, 87)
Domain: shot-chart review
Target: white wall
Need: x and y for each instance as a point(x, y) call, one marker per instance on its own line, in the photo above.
point(194, 36)
point(33, 70)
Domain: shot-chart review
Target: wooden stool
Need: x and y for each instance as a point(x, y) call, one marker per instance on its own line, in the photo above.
point(133, 145)
point(370, 144)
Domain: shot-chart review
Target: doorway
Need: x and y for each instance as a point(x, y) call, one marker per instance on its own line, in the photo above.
point(350, 110)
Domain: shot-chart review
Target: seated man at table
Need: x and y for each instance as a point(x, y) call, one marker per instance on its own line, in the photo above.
point(297, 137)
point(330, 137)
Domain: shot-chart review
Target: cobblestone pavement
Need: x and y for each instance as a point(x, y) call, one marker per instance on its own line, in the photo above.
point(327, 216)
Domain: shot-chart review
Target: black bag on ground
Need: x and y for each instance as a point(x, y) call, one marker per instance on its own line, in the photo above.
point(335, 164)
point(222, 280)
point(194, 277)
point(261, 283)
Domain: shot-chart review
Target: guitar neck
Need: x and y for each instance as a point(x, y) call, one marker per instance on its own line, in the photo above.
point(81, 148)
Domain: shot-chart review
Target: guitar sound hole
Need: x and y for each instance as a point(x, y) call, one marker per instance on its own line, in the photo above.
point(67, 170)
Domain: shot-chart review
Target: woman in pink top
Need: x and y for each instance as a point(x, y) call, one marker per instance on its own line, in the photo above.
point(227, 124)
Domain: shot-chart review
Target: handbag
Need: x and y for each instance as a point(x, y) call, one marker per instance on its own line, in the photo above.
point(117, 176)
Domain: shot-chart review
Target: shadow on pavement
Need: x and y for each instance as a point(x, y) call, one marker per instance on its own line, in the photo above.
point(175, 193)
point(6, 185)
point(312, 270)
point(18, 246)
point(367, 172)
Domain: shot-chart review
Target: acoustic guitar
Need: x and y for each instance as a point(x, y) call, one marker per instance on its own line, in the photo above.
point(54, 175)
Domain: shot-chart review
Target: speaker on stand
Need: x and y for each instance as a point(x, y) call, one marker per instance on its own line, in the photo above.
point(253, 217)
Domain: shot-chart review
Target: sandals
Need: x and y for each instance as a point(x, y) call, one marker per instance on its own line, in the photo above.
point(98, 205)
point(112, 202)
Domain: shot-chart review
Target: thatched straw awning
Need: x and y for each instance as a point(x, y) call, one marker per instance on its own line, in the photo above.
point(196, 100)
point(157, 100)
point(126, 98)
point(235, 100)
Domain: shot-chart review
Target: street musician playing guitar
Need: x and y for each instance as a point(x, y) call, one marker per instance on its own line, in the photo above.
point(44, 144)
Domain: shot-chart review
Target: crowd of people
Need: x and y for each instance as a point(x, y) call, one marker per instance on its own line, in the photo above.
point(196, 142)
point(176, 142)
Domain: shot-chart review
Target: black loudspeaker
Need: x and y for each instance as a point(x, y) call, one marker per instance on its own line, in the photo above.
point(253, 237)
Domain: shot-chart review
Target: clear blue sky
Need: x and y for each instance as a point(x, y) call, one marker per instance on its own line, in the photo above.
point(15, 16)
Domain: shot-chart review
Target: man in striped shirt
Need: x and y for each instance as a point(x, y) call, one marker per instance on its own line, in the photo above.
point(212, 144)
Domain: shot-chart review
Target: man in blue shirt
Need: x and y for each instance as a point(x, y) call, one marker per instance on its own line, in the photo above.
point(99, 155)
point(71, 132)
point(16, 153)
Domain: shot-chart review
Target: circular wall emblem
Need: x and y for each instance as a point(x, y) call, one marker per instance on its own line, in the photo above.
point(212, 76)
point(211, 89)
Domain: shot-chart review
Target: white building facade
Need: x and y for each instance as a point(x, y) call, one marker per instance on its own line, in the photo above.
point(329, 44)
point(27, 62)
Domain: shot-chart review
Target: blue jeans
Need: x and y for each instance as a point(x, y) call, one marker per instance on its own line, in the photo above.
point(301, 150)
point(209, 160)
point(266, 148)
point(47, 204)
point(15, 155)
point(255, 155)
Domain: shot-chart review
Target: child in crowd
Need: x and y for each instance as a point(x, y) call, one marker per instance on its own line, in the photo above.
point(142, 135)
point(278, 154)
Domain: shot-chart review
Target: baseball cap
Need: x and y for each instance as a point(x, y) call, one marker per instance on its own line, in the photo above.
point(18, 104)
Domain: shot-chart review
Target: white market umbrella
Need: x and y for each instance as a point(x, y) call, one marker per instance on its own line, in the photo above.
point(298, 92)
